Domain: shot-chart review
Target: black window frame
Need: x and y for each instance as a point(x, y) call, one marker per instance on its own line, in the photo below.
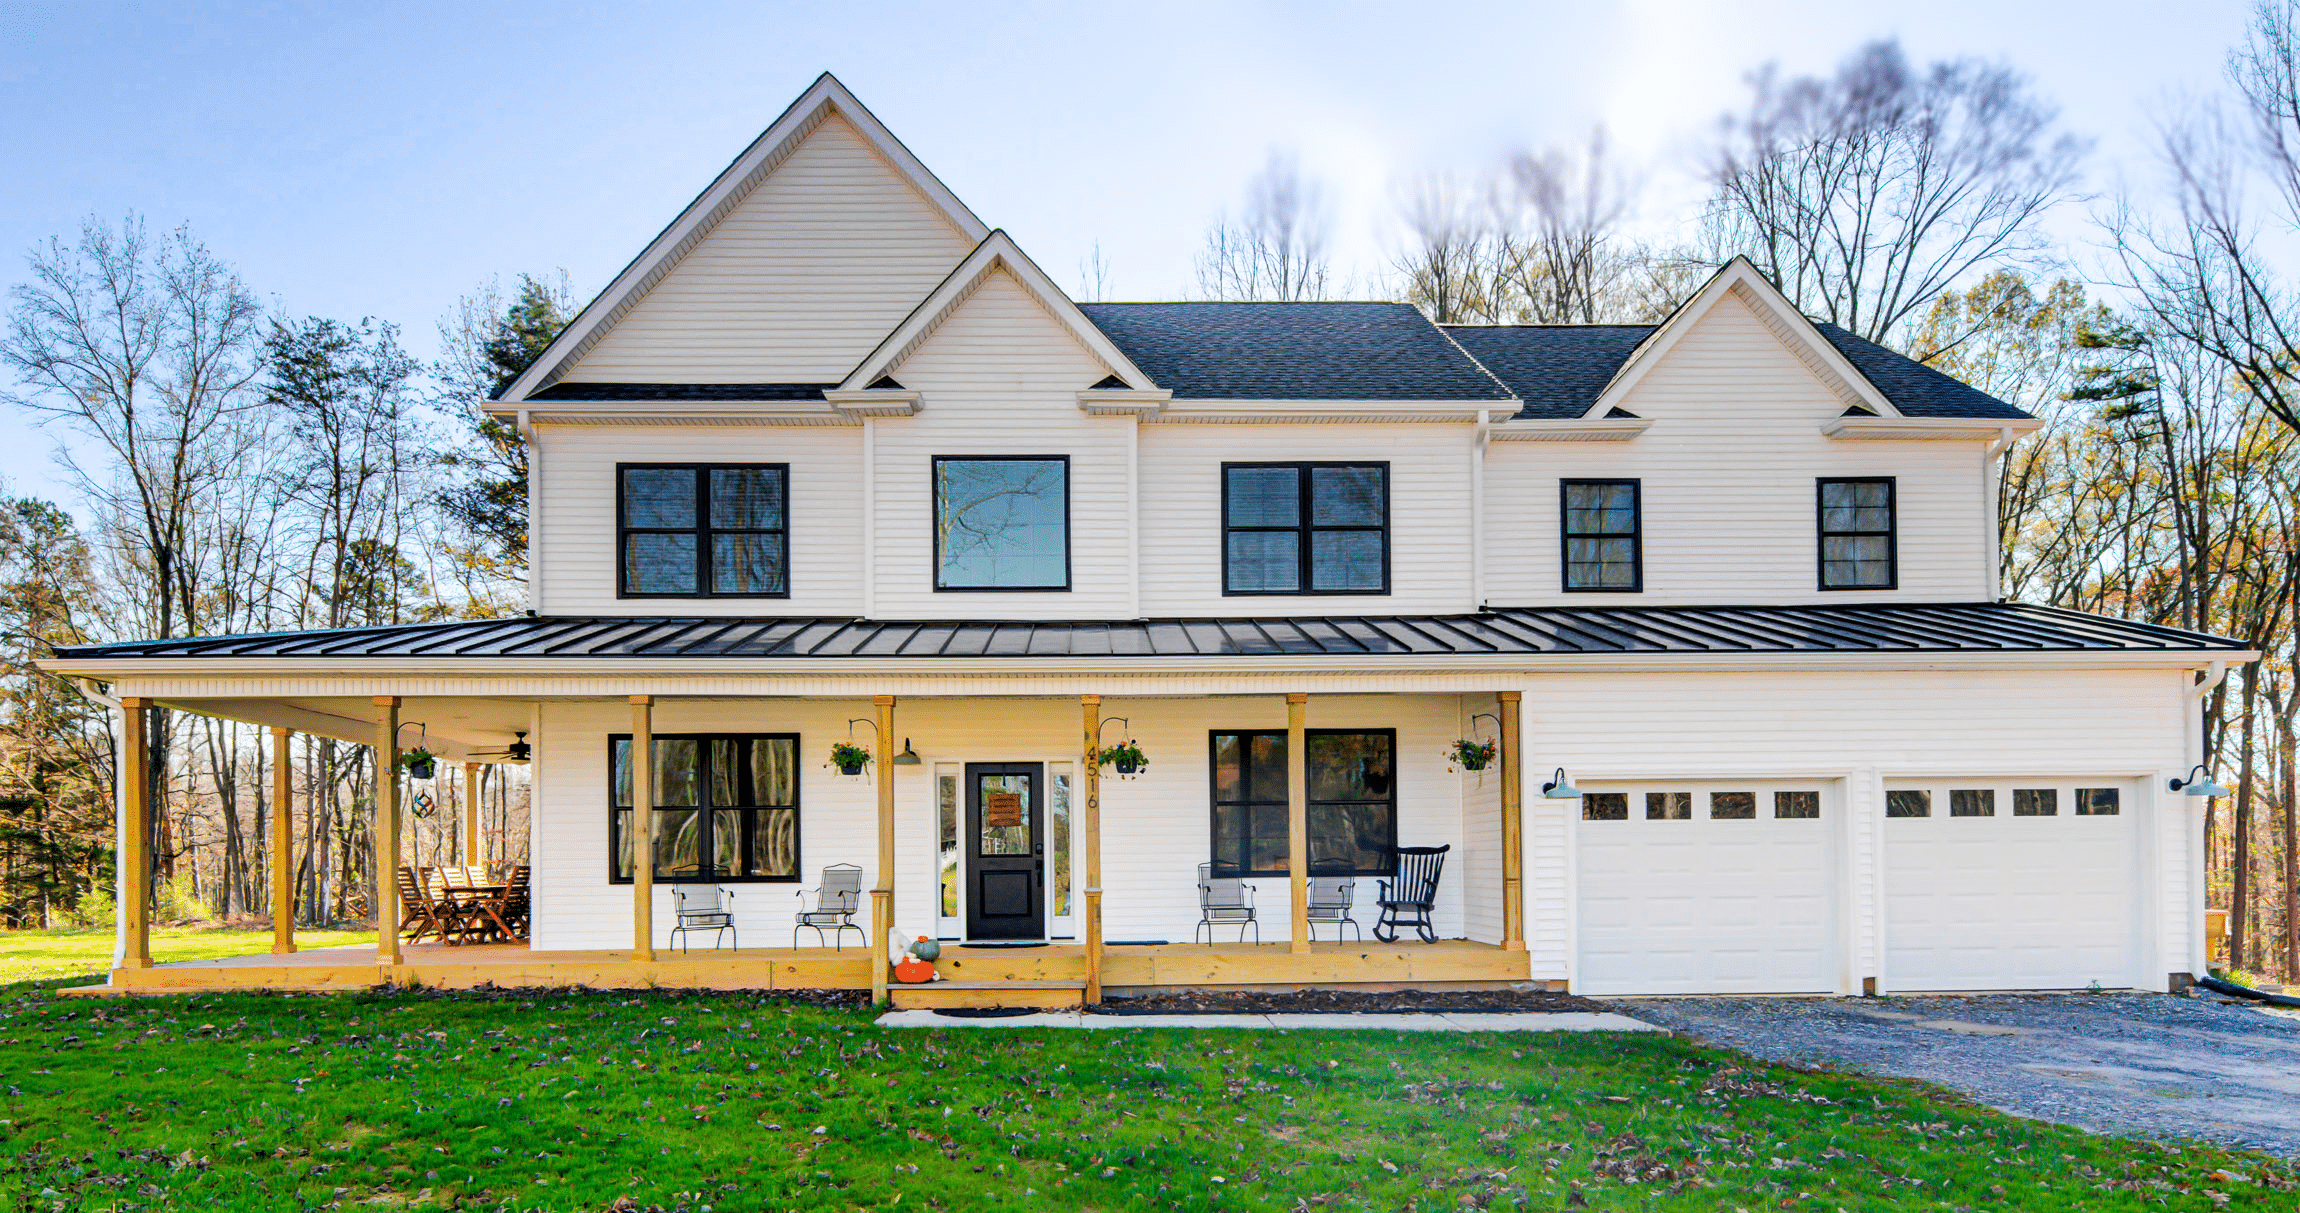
point(934, 524)
point(1822, 534)
point(703, 531)
point(1303, 528)
point(1214, 803)
point(707, 814)
point(1566, 535)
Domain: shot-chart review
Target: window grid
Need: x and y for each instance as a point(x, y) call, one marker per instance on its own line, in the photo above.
point(710, 538)
point(1306, 533)
point(1264, 816)
point(1856, 523)
point(728, 800)
point(1601, 545)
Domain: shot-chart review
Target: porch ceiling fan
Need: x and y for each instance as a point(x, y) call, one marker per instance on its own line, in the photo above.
point(518, 751)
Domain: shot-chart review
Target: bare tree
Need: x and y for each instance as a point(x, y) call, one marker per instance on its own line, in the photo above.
point(1450, 265)
point(1094, 276)
point(1559, 241)
point(1277, 249)
point(1866, 194)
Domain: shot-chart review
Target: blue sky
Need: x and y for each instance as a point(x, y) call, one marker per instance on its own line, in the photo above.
point(382, 159)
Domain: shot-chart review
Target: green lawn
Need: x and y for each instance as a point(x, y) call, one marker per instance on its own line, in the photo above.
point(571, 1101)
point(47, 955)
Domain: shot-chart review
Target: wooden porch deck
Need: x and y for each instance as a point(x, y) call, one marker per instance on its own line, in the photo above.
point(1446, 963)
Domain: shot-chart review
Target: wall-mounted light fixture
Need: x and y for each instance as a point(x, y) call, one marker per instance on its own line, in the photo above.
point(2199, 784)
point(1558, 789)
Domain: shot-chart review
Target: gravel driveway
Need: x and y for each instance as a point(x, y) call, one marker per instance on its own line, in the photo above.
point(2146, 1065)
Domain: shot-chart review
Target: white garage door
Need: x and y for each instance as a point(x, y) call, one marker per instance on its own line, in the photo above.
point(2010, 885)
point(1713, 888)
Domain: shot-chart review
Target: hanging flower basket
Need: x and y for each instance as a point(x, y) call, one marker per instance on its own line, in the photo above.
point(1471, 755)
point(1126, 758)
point(418, 763)
point(849, 759)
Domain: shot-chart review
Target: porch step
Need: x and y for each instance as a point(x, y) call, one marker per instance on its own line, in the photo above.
point(1050, 995)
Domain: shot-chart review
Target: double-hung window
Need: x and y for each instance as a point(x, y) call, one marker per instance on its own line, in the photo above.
point(702, 530)
point(1600, 536)
point(1305, 528)
point(1353, 802)
point(1002, 523)
point(726, 807)
point(1856, 528)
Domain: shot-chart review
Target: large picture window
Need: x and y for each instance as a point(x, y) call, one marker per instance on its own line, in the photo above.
point(1353, 802)
point(1857, 540)
point(726, 807)
point(1600, 536)
point(1001, 523)
point(1305, 528)
point(702, 531)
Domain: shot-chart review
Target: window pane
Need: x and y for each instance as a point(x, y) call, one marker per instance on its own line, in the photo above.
point(2096, 802)
point(1909, 804)
point(658, 564)
point(747, 498)
point(1231, 826)
point(659, 497)
point(678, 843)
point(1605, 806)
point(1229, 773)
point(747, 564)
point(1266, 767)
point(2036, 802)
point(725, 789)
point(774, 842)
point(1352, 837)
point(1350, 766)
point(1600, 509)
point(1972, 802)
point(1002, 523)
point(946, 846)
point(622, 827)
point(1346, 496)
point(1058, 843)
point(1668, 806)
point(1601, 564)
point(1345, 560)
point(619, 773)
point(1732, 806)
point(774, 771)
point(1796, 805)
point(1265, 561)
point(1267, 848)
point(678, 773)
point(1863, 560)
point(1264, 496)
point(1004, 839)
point(727, 842)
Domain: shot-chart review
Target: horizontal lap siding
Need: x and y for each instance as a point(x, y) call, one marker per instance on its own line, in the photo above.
point(1430, 549)
point(1728, 470)
point(1001, 377)
point(796, 284)
point(578, 514)
point(1481, 848)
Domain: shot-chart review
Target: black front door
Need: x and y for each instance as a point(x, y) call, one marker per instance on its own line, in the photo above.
point(1006, 859)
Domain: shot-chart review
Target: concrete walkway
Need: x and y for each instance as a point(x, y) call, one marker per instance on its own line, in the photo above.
point(1432, 1021)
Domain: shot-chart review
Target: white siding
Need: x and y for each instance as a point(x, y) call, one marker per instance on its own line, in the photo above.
point(1728, 496)
point(1480, 853)
point(796, 284)
point(577, 514)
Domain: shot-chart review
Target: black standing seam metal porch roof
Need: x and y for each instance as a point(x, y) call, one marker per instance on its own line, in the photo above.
point(1532, 631)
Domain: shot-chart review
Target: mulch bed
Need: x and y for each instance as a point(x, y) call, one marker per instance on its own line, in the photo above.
point(1345, 1002)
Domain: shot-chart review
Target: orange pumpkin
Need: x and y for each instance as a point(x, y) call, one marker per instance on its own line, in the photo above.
point(911, 970)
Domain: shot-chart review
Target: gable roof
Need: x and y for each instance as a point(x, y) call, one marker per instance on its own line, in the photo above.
point(997, 252)
point(1294, 351)
point(822, 99)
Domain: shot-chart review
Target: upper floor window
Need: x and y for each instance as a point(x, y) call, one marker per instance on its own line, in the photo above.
point(1305, 528)
point(1001, 523)
point(1600, 535)
point(1856, 527)
point(702, 531)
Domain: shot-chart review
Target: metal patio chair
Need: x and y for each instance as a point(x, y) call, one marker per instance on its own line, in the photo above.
point(709, 908)
point(836, 900)
point(1331, 896)
point(1407, 898)
point(1223, 900)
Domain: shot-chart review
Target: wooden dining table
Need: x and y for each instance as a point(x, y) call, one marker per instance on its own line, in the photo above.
point(486, 896)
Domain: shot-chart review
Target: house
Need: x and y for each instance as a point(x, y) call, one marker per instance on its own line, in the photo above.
point(833, 462)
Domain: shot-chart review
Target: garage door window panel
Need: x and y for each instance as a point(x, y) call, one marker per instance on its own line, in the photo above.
point(1909, 802)
point(1797, 806)
point(1732, 806)
point(2096, 802)
point(1605, 806)
point(2036, 802)
point(1972, 802)
point(1669, 806)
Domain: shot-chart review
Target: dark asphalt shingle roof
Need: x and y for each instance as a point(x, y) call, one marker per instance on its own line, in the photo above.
point(1914, 388)
point(1293, 351)
point(1530, 632)
point(683, 391)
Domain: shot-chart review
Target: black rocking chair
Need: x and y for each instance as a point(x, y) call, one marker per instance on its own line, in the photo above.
point(1406, 898)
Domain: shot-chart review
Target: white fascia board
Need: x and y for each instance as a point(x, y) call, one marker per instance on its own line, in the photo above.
point(671, 412)
point(1787, 322)
point(1122, 402)
point(874, 402)
point(825, 97)
point(1927, 429)
point(996, 252)
point(1603, 429)
point(1458, 411)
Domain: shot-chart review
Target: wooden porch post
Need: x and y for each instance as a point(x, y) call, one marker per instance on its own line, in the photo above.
point(1090, 829)
point(387, 830)
point(136, 831)
point(471, 814)
point(283, 846)
point(882, 895)
point(642, 827)
point(1512, 827)
point(1298, 816)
